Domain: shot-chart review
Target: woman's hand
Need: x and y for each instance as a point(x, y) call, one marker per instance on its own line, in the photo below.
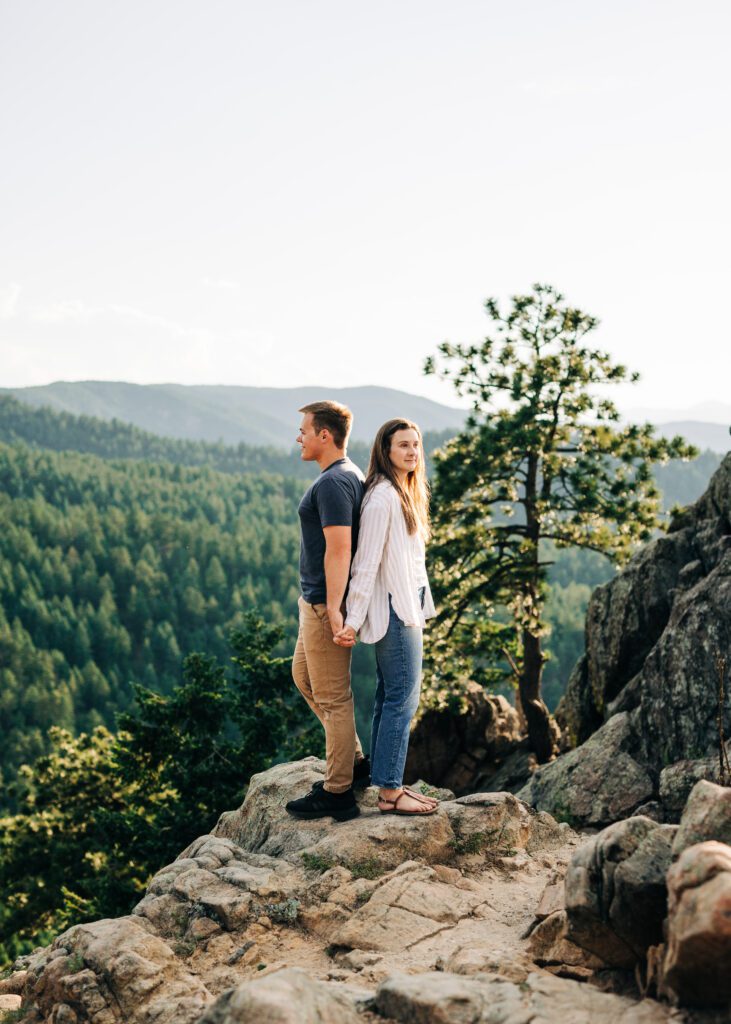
point(345, 637)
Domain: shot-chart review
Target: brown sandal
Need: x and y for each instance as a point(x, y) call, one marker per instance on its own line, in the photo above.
point(421, 797)
point(395, 808)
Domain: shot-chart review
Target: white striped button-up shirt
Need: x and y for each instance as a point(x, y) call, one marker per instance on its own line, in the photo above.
point(388, 560)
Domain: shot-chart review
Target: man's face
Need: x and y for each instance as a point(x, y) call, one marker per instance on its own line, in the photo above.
point(308, 439)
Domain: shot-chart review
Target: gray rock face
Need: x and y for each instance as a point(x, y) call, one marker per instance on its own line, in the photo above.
point(707, 815)
point(597, 783)
point(654, 635)
point(113, 972)
point(482, 738)
point(616, 899)
point(408, 907)
point(215, 882)
point(477, 825)
point(698, 958)
point(540, 999)
point(678, 780)
point(287, 997)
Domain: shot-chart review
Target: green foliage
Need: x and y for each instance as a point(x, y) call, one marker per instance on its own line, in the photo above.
point(469, 845)
point(43, 427)
point(285, 912)
point(317, 862)
point(543, 459)
point(370, 868)
point(114, 571)
point(100, 813)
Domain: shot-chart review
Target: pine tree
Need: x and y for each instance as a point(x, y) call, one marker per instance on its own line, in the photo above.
point(543, 459)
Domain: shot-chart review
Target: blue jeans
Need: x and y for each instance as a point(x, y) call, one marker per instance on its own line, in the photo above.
point(398, 671)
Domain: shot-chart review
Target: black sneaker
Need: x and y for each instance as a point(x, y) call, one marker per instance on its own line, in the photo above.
point(319, 803)
point(361, 774)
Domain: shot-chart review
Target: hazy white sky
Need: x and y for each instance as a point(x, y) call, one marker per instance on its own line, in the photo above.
point(288, 193)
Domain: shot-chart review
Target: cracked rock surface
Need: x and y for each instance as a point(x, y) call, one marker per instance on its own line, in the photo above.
point(644, 697)
point(345, 924)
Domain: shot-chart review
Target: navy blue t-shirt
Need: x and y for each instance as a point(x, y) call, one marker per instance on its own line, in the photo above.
point(332, 500)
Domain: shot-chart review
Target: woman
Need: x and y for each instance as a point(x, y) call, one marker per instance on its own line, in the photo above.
point(389, 601)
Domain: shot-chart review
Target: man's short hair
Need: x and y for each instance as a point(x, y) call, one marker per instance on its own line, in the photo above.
point(331, 416)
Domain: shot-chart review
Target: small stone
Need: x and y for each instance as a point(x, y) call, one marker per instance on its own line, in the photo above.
point(449, 875)
point(203, 928)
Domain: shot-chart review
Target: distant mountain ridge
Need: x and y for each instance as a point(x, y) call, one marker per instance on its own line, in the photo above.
point(269, 416)
point(232, 414)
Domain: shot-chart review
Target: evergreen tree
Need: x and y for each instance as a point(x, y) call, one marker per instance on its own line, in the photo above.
point(100, 813)
point(542, 459)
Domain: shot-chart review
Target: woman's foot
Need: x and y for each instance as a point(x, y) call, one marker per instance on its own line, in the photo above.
point(405, 801)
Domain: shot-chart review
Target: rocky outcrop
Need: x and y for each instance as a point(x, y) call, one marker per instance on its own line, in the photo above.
point(645, 696)
point(287, 997)
point(479, 926)
point(656, 898)
point(540, 999)
point(216, 936)
point(463, 752)
point(707, 815)
point(698, 958)
point(481, 824)
point(616, 897)
point(112, 971)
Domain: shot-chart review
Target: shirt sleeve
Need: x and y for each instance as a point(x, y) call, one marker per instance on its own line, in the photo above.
point(375, 519)
point(334, 501)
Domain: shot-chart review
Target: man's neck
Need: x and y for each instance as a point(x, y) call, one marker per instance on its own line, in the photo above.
point(328, 458)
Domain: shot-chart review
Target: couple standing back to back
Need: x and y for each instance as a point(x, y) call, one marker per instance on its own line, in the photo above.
point(364, 538)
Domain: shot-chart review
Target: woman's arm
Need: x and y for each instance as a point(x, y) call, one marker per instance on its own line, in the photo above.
point(374, 523)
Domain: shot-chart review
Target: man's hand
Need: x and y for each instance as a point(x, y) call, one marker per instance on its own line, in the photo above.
point(346, 637)
point(336, 620)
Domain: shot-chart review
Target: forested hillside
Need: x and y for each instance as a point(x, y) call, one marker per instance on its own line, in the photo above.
point(112, 571)
point(259, 416)
point(114, 565)
point(112, 439)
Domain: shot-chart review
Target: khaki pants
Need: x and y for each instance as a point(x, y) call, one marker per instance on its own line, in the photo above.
point(321, 671)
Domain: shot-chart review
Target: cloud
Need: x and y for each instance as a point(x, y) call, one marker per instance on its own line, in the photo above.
point(74, 310)
point(66, 309)
point(222, 284)
point(9, 300)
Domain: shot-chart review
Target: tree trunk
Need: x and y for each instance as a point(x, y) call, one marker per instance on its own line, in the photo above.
point(536, 713)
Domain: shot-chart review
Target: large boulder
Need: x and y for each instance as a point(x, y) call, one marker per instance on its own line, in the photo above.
point(616, 899)
point(697, 967)
point(540, 999)
point(215, 884)
point(463, 752)
point(112, 971)
point(654, 637)
point(286, 997)
point(707, 815)
point(597, 783)
point(477, 826)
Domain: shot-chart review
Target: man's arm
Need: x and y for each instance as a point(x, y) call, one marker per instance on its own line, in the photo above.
point(337, 570)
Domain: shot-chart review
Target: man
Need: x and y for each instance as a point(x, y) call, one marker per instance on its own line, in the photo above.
point(329, 515)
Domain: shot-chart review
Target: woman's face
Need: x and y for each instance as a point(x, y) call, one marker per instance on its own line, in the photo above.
point(405, 450)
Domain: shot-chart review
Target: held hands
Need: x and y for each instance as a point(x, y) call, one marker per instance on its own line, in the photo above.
point(345, 637)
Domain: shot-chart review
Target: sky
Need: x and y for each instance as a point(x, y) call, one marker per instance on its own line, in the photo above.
point(290, 193)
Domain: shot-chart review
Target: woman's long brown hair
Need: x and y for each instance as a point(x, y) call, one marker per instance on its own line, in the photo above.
point(414, 493)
